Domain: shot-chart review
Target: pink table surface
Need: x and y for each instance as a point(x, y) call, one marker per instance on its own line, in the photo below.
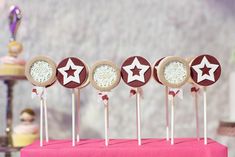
point(184, 147)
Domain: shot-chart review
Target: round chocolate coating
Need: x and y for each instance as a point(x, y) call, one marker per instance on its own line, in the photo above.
point(36, 77)
point(101, 78)
point(155, 67)
point(87, 82)
point(73, 82)
point(138, 75)
point(189, 60)
point(208, 75)
point(179, 74)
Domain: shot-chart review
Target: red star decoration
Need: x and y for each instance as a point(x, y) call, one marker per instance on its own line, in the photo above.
point(70, 72)
point(135, 71)
point(205, 70)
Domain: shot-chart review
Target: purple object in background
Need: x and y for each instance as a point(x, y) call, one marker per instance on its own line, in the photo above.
point(14, 20)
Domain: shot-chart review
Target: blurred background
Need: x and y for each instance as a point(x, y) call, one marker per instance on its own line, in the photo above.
point(116, 29)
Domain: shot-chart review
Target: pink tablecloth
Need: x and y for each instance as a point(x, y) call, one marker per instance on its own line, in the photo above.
point(126, 148)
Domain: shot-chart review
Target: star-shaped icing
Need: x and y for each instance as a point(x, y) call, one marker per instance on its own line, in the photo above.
point(205, 70)
point(70, 72)
point(136, 71)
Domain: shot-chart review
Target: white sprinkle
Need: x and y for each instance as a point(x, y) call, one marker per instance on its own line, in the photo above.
point(175, 72)
point(41, 71)
point(105, 76)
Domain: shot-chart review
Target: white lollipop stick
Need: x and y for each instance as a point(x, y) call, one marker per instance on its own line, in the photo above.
point(138, 117)
point(172, 121)
point(108, 119)
point(205, 115)
point(167, 113)
point(106, 123)
point(45, 119)
point(197, 116)
point(41, 122)
point(73, 119)
point(137, 132)
point(78, 114)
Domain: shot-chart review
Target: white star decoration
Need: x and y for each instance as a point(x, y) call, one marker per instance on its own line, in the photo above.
point(76, 77)
point(198, 68)
point(143, 69)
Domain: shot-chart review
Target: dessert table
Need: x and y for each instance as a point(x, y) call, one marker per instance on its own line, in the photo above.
point(183, 147)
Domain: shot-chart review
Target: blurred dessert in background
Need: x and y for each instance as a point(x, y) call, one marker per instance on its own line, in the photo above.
point(12, 64)
point(27, 131)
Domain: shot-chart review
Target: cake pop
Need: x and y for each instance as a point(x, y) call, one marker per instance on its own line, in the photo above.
point(136, 72)
point(174, 73)
point(205, 70)
point(104, 76)
point(72, 73)
point(41, 72)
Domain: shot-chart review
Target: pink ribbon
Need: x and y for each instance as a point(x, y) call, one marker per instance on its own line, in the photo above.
point(133, 92)
point(173, 92)
point(104, 97)
point(39, 92)
point(195, 89)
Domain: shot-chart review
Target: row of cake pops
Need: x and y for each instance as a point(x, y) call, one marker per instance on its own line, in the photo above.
point(172, 72)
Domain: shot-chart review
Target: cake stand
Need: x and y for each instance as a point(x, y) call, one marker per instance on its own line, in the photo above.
point(6, 142)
